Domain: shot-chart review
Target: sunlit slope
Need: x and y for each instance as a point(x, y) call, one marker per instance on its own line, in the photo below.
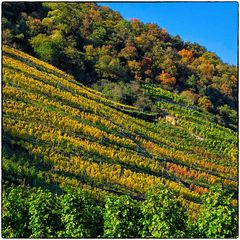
point(59, 133)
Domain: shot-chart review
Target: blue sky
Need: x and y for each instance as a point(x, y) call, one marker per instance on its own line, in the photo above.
point(213, 24)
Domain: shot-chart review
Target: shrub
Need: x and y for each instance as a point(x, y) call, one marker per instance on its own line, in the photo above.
point(121, 217)
point(80, 217)
point(163, 216)
point(218, 218)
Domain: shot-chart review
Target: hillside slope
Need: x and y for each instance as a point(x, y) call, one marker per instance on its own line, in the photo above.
point(58, 133)
point(106, 52)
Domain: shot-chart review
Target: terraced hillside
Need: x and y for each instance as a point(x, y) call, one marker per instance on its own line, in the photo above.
point(57, 133)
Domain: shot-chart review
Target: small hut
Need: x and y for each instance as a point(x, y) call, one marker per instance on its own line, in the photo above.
point(171, 119)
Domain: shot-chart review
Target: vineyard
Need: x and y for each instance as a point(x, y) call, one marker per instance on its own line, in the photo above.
point(57, 133)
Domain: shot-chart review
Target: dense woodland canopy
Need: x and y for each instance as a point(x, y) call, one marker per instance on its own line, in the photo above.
point(103, 50)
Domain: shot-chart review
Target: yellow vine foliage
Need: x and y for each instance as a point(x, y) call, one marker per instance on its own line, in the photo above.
point(91, 145)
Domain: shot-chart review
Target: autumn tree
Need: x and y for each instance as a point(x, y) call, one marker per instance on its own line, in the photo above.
point(135, 68)
point(187, 55)
point(136, 25)
point(206, 70)
point(205, 103)
point(169, 66)
point(190, 96)
point(129, 52)
point(108, 67)
point(166, 79)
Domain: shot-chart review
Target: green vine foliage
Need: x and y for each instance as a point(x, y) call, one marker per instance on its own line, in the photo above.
point(15, 217)
point(37, 213)
point(45, 218)
point(163, 216)
point(218, 219)
point(81, 218)
point(122, 217)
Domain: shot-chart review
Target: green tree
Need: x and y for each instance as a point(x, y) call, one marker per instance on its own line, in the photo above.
point(218, 218)
point(163, 215)
point(190, 96)
point(121, 217)
point(191, 82)
point(109, 67)
point(48, 48)
point(228, 115)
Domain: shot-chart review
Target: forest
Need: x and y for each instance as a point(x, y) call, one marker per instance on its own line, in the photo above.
point(113, 128)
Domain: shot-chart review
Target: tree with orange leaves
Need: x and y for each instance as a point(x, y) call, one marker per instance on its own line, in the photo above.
point(136, 24)
point(167, 79)
point(187, 55)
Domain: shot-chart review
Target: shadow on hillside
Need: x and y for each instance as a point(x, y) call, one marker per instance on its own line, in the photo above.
point(22, 167)
point(102, 185)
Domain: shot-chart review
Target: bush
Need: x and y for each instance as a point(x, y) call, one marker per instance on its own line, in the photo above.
point(205, 103)
point(39, 213)
point(218, 218)
point(190, 96)
point(126, 93)
point(45, 217)
point(15, 216)
point(79, 216)
point(121, 217)
point(163, 216)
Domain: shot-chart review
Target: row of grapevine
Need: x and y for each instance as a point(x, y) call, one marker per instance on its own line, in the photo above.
point(90, 144)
